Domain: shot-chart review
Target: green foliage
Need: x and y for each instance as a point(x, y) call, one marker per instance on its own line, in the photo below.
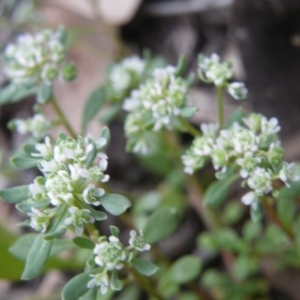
point(93, 105)
point(37, 257)
point(115, 204)
point(16, 194)
point(185, 269)
point(144, 267)
point(44, 93)
point(76, 287)
point(83, 243)
point(70, 192)
point(160, 225)
point(218, 191)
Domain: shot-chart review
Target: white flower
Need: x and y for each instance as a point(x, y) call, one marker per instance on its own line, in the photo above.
point(269, 126)
point(286, 174)
point(45, 150)
point(92, 195)
point(49, 166)
point(78, 218)
point(209, 129)
point(101, 280)
point(237, 90)
point(59, 187)
point(260, 181)
point(110, 254)
point(137, 242)
point(39, 220)
point(250, 198)
point(244, 140)
point(34, 57)
point(77, 172)
point(247, 163)
point(212, 70)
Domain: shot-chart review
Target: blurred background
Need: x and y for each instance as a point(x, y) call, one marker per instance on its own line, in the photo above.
point(261, 37)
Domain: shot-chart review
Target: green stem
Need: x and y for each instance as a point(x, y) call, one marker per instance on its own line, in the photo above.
point(63, 118)
point(220, 107)
point(188, 127)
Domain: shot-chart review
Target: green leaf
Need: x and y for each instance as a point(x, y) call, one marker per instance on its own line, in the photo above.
point(286, 211)
point(227, 239)
point(44, 93)
point(188, 111)
point(110, 113)
point(185, 269)
point(181, 65)
point(90, 295)
point(160, 224)
point(291, 192)
point(244, 266)
point(92, 106)
point(59, 246)
point(76, 287)
point(285, 204)
point(115, 282)
point(16, 194)
point(105, 133)
point(24, 163)
point(26, 207)
point(232, 212)
point(7, 93)
point(145, 267)
point(37, 257)
point(14, 93)
point(22, 245)
point(251, 230)
point(98, 215)
point(236, 117)
point(218, 191)
point(114, 203)
point(114, 230)
point(29, 149)
point(83, 243)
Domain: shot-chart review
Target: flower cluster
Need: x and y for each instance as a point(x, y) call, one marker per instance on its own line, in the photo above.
point(125, 76)
point(253, 148)
point(154, 106)
point(111, 255)
point(67, 183)
point(38, 126)
point(211, 70)
point(38, 57)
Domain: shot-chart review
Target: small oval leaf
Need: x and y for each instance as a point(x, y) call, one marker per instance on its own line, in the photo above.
point(144, 267)
point(160, 224)
point(93, 105)
point(218, 191)
point(115, 282)
point(114, 203)
point(37, 257)
point(185, 269)
point(83, 243)
point(76, 287)
point(26, 207)
point(24, 163)
point(15, 194)
point(44, 94)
